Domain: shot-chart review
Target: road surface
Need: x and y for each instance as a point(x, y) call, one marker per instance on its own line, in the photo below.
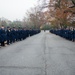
point(41, 54)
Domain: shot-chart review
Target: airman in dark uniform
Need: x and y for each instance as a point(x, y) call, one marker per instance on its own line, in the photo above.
point(8, 35)
point(3, 35)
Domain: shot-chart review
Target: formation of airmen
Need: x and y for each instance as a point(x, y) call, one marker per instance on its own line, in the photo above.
point(11, 35)
point(67, 33)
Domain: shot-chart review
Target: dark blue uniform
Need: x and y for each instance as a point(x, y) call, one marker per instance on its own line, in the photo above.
point(8, 36)
point(65, 33)
point(3, 36)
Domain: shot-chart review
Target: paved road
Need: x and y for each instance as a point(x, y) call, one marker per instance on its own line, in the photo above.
point(41, 54)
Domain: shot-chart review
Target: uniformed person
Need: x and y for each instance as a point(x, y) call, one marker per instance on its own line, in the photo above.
point(3, 35)
point(8, 35)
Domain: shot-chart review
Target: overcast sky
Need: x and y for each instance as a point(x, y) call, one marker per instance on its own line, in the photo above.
point(15, 9)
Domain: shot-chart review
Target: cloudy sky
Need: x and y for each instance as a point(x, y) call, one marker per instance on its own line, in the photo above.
point(15, 9)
